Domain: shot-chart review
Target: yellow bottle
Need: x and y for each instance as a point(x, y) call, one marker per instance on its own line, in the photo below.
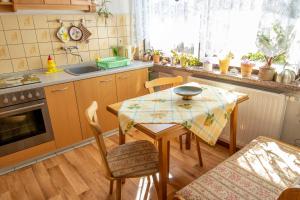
point(52, 68)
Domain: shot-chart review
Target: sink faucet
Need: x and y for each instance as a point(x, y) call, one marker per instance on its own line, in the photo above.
point(70, 49)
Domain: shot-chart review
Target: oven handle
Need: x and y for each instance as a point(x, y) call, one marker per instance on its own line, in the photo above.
point(21, 109)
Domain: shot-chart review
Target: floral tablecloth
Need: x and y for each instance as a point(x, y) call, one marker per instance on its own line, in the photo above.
point(205, 115)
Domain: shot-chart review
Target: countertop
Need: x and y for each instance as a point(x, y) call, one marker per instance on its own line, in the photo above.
point(232, 78)
point(63, 77)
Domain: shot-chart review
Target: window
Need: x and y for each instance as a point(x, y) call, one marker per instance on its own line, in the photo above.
point(217, 25)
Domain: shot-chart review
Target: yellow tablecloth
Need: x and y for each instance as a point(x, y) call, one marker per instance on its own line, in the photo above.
point(205, 115)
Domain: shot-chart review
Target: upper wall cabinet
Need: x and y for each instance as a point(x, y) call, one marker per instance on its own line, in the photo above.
point(81, 2)
point(59, 2)
point(85, 5)
point(29, 2)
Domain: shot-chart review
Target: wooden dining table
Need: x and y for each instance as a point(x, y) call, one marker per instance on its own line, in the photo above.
point(163, 133)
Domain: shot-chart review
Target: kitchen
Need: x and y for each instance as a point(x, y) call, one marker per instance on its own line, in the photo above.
point(73, 72)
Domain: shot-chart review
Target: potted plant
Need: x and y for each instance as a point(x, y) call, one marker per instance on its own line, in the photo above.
point(225, 62)
point(193, 61)
point(184, 60)
point(246, 68)
point(247, 63)
point(274, 43)
point(156, 56)
point(175, 57)
point(103, 10)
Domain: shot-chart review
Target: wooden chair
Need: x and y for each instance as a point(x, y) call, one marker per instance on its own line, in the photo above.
point(130, 160)
point(168, 82)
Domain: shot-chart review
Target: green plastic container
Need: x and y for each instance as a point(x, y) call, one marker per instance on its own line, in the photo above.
point(113, 62)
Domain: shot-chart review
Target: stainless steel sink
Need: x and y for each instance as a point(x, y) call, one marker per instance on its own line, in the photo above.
point(76, 71)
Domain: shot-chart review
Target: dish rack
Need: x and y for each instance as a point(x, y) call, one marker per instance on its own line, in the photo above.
point(113, 62)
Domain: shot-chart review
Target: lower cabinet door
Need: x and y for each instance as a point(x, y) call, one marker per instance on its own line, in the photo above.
point(103, 91)
point(131, 84)
point(62, 105)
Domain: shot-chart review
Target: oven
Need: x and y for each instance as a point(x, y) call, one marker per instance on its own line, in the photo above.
point(24, 121)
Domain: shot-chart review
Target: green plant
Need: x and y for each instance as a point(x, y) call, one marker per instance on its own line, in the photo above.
point(194, 61)
point(274, 43)
point(103, 10)
point(156, 52)
point(175, 57)
point(259, 56)
point(115, 51)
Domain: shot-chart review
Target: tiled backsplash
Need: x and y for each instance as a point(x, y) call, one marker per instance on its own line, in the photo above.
point(27, 40)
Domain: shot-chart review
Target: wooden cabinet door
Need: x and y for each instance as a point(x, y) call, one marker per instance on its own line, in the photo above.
point(100, 89)
point(131, 84)
point(58, 2)
point(81, 2)
point(140, 77)
point(29, 1)
point(62, 105)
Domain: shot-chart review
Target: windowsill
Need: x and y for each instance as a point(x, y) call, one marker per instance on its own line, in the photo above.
point(233, 77)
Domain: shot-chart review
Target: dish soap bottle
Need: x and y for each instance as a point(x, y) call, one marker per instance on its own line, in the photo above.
point(52, 68)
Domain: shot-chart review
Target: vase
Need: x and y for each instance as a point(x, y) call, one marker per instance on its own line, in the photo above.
point(266, 73)
point(183, 62)
point(224, 65)
point(246, 69)
point(156, 58)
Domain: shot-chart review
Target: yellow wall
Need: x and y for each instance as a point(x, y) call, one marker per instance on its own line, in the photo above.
point(27, 40)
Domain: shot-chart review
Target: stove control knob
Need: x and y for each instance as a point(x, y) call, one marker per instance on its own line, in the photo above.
point(37, 94)
point(29, 95)
point(14, 99)
point(5, 100)
point(22, 97)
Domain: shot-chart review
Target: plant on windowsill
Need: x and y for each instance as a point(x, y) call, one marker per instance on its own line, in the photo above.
point(175, 57)
point(156, 54)
point(274, 43)
point(248, 62)
point(103, 11)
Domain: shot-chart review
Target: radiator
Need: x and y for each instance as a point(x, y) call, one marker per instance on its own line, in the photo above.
point(263, 114)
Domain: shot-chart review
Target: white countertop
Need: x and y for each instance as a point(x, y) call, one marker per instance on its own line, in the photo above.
point(63, 77)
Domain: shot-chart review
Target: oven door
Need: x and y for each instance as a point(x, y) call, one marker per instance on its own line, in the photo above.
point(23, 126)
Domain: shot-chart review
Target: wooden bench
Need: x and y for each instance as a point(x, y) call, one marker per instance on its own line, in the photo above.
point(265, 169)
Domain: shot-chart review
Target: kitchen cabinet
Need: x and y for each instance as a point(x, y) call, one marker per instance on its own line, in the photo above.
point(29, 2)
point(84, 5)
point(103, 90)
point(58, 2)
point(81, 2)
point(62, 106)
point(131, 84)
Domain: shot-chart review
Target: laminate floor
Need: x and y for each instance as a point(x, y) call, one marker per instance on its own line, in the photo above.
point(77, 174)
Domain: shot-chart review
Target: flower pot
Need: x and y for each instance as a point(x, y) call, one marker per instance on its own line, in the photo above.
point(156, 58)
point(224, 65)
point(246, 69)
point(266, 73)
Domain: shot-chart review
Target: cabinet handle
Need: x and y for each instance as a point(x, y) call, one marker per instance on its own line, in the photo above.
point(105, 81)
point(123, 77)
point(60, 90)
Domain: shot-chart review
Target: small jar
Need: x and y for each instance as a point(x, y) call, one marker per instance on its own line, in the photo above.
point(207, 65)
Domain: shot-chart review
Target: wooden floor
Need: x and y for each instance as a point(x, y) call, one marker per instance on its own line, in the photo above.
point(77, 174)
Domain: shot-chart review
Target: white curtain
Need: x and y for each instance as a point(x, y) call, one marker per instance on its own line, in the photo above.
point(218, 25)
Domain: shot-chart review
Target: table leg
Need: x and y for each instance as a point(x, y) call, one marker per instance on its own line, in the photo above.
point(121, 136)
point(188, 140)
point(233, 129)
point(163, 168)
point(168, 152)
point(121, 141)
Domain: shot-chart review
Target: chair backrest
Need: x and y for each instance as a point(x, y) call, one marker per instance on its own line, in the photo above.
point(92, 118)
point(165, 81)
